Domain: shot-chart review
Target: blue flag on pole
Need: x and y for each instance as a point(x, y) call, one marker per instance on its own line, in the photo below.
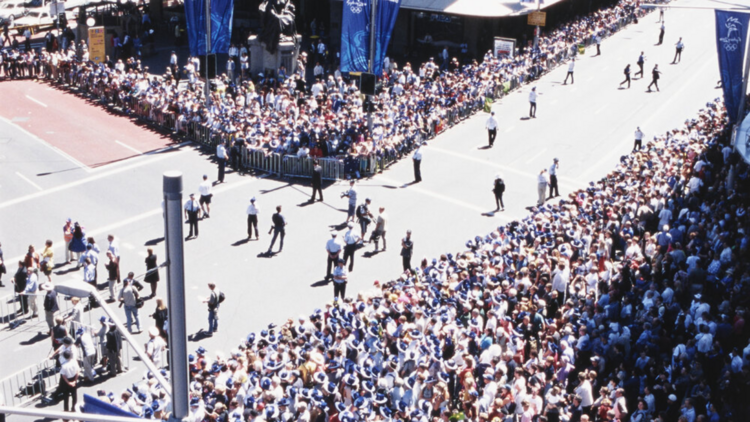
point(222, 13)
point(731, 37)
point(386, 20)
point(355, 35)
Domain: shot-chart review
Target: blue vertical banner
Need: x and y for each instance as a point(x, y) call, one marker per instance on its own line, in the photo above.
point(385, 21)
point(222, 14)
point(355, 35)
point(731, 39)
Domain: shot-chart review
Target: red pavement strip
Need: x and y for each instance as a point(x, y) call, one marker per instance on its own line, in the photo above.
point(85, 131)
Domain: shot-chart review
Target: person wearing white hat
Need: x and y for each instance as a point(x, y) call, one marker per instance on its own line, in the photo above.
point(252, 219)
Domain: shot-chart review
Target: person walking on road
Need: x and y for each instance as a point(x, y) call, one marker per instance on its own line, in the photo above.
point(214, 300)
point(205, 200)
point(380, 229)
point(417, 160)
point(407, 250)
point(192, 213)
point(542, 182)
point(655, 75)
point(532, 102)
point(364, 216)
point(252, 219)
point(638, 139)
point(678, 51)
point(221, 158)
point(278, 228)
point(498, 188)
point(333, 251)
point(553, 179)
point(640, 62)
point(352, 195)
point(317, 181)
point(627, 75)
point(340, 279)
point(571, 67)
point(661, 34)
point(491, 127)
point(351, 241)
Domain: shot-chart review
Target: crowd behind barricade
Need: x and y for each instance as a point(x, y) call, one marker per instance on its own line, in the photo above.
point(286, 115)
point(625, 301)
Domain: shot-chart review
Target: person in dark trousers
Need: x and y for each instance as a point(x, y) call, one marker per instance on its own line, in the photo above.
point(221, 158)
point(571, 68)
point(3, 270)
point(661, 34)
point(638, 139)
point(417, 160)
point(19, 282)
point(333, 251)
point(532, 103)
point(553, 192)
point(340, 279)
point(113, 344)
point(655, 75)
point(407, 250)
point(252, 219)
point(68, 384)
point(678, 51)
point(491, 126)
point(278, 228)
point(627, 75)
point(498, 189)
point(351, 241)
point(640, 62)
point(598, 40)
point(192, 212)
point(317, 181)
point(51, 307)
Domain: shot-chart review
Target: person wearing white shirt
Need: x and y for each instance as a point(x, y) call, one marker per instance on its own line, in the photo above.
point(205, 200)
point(695, 184)
point(491, 126)
point(192, 212)
point(553, 179)
point(32, 287)
point(584, 391)
point(532, 102)
point(333, 249)
point(252, 219)
point(678, 51)
point(417, 160)
point(638, 139)
point(155, 347)
point(221, 157)
point(68, 385)
point(571, 66)
point(542, 183)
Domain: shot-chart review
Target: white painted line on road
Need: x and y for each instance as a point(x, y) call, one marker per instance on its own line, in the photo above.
point(83, 181)
point(464, 204)
point(553, 102)
point(601, 109)
point(142, 216)
point(536, 156)
point(509, 129)
point(37, 101)
point(29, 181)
point(53, 148)
point(128, 147)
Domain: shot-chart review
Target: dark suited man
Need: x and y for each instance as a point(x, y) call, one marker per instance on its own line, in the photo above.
point(19, 281)
point(640, 62)
point(655, 74)
point(192, 212)
point(278, 228)
point(317, 181)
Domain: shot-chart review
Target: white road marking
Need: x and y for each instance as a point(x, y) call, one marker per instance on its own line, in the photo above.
point(83, 181)
point(553, 101)
point(29, 181)
point(37, 101)
point(509, 129)
point(128, 246)
point(601, 109)
point(144, 215)
point(441, 197)
point(128, 147)
point(543, 150)
point(43, 142)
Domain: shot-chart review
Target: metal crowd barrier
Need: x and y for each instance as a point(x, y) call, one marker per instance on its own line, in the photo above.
point(29, 384)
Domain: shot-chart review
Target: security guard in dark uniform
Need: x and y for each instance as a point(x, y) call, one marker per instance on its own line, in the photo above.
point(317, 181)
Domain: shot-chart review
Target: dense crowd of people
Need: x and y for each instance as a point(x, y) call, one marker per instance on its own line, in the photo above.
point(286, 115)
point(625, 301)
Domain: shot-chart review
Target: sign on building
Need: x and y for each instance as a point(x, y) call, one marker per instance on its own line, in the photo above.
point(504, 47)
point(537, 18)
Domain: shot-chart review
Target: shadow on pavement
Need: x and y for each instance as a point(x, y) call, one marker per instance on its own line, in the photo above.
point(36, 339)
point(154, 242)
point(321, 283)
point(241, 242)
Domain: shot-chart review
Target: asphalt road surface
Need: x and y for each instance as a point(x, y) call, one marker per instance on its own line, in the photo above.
point(47, 176)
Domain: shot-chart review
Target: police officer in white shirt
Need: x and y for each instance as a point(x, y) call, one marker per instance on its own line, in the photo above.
point(532, 102)
point(333, 249)
point(553, 179)
point(571, 66)
point(192, 211)
point(491, 126)
point(351, 240)
point(417, 160)
point(221, 157)
point(252, 219)
point(638, 139)
point(205, 200)
point(678, 51)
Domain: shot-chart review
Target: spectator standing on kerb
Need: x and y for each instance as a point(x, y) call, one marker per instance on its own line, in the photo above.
point(221, 159)
point(598, 40)
point(678, 51)
point(113, 342)
point(553, 190)
point(213, 301)
point(542, 182)
point(407, 250)
point(51, 306)
point(278, 228)
point(205, 200)
point(333, 252)
point(32, 288)
point(129, 298)
point(491, 126)
point(252, 219)
point(417, 161)
point(638, 139)
point(571, 67)
point(498, 188)
point(352, 195)
point(192, 212)
point(532, 103)
point(19, 286)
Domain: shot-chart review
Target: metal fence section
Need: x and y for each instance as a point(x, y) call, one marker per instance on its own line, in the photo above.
point(29, 384)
